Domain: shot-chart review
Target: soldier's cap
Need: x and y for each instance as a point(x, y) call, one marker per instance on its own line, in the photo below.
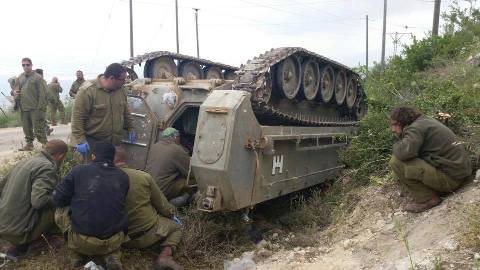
point(170, 132)
point(103, 151)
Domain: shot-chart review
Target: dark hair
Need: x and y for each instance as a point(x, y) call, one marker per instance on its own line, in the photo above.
point(39, 71)
point(54, 147)
point(116, 70)
point(26, 59)
point(404, 115)
point(104, 151)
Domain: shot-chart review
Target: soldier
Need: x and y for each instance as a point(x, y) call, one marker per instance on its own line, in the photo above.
point(76, 84)
point(48, 130)
point(152, 220)
point(427, 159)
point(26, 202)
point(30, 89)
point(54, 89)
point(168, 163)
point(91, 209)
point(101, 111)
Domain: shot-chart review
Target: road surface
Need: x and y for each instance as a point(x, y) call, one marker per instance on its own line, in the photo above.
point(12, 139)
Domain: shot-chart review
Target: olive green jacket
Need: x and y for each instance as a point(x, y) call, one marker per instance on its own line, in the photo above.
point(144, 201)
point(166, 162)
point(54, 90)
point(28, 189)
point(33, 92)
point(101, 114)
point(75, 87)
point(430, 140)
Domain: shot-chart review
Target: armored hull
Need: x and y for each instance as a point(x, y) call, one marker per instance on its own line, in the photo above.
point(273, 129)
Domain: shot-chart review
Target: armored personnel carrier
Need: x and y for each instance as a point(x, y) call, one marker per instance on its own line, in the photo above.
point(266, 129)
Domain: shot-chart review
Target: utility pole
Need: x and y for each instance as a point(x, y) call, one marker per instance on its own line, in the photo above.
point(366, 42)
point(176, 23)
point(131, 29)
point(396, 38)
point(382, 67)
point(436, 17)
point(196, 28)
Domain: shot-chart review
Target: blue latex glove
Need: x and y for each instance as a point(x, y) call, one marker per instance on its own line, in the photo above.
point(83, 148)
point(132, 136)
point(175, 218)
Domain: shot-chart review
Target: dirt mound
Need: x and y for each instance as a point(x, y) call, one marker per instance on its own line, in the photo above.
point(379, 235)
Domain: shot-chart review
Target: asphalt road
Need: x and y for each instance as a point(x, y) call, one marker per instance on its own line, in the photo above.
point(12, 138)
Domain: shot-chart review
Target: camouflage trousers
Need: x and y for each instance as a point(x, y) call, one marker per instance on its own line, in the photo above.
point(82, 246)
point(421, 180)
point(45, 225)
point(175, 188)
point(54, 106)
point(165, 232)
point(34, 125)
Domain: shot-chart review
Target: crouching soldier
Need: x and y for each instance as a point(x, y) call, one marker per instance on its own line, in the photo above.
point(26, 202)
point(91, 209)
point(168, 163)
point(427, 159)
point(152, 223)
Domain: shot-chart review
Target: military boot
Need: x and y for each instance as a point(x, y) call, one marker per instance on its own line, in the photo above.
point(112, 261)
point(27, 147)
point(165, 260)
point(420, 207)
point(19, 250)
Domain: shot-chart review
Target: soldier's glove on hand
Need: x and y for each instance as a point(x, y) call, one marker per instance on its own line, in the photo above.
point(132, 136)
point(83, 148)
point(175, 218)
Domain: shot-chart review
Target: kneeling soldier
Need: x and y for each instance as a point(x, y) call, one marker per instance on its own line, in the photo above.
point(151, 217)
point(26, 202)
point(91, 208)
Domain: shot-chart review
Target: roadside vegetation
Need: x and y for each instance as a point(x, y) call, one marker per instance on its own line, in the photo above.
point(436, 74)
point(10, 118)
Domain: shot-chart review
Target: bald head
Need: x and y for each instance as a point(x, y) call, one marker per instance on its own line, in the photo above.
point(54, 80)
point(120, 156)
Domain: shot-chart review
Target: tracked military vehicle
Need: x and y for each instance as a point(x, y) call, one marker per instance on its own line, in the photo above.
point(267, 129)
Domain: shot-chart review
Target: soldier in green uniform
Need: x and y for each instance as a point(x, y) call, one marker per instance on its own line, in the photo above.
point(76, 84)
point(169, 163)
point(427, 159)
point(31, 90)
point(101, 112)
point(54, 89)
point(26, 202)
point(151, 218)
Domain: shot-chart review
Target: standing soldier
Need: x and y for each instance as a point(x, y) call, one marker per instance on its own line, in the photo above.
point(54, 89)
point(101, 112)
point(48, 130)
point(30, 90)
point(76, 84)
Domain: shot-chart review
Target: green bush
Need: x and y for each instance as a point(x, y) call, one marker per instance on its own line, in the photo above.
point(431, 74)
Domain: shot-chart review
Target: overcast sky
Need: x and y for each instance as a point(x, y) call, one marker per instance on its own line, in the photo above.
point(62, 36)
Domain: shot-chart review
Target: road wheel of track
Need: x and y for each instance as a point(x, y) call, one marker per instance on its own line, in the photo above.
point(213, 73)
point(229, 74)
point(190, 70)
point(327, 84)
point(287, 77)
point(360, 109)
point(340, 87)
point(162, 67)
point(351, 92)
point(310, 79)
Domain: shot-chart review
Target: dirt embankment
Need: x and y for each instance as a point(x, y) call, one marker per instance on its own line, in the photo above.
point(379, 235)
